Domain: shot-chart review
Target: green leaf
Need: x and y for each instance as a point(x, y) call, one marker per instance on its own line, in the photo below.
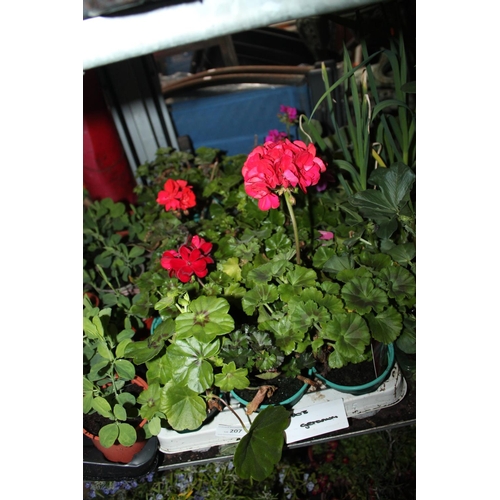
point(125, 334)
point(387, 228)
point(154, 426)
point(259, 295)
point(260, 450)
point(164, 302)
point(266, 272)
point(404, 253)
point(103, 350)
point(120, 348)
point(349, 274)
point(400, 282)
point(125, 369)
point(208, 318)
point(385, 326)
point(386, 103)
point(119, 412)
point(188, 360)
point(286, 336)
point(136, 251)
point(360, 295)
point(377, 261)
point(336, 360)
point(125, 398)
point(97, 370)
point(150, 400)
point(145, 350)
point(108, 434)
point(407, 341)
point(101, 406)
point(159, 370)
point(302, 277)
point(184, 408)
point(127, 434)
point(350, 333)
point(232, 378)
point(276, 243)
point(305, 315)
point(393, 188)
point(232, 268)
point(87, 385)
point(91, 329)
point(326, 259)
point(88, 398)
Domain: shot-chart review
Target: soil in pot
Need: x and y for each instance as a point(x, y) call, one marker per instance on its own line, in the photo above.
point(93, 422)
point(352, 374)
point(286, 388)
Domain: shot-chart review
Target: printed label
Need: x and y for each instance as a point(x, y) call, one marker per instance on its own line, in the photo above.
point(230, 430)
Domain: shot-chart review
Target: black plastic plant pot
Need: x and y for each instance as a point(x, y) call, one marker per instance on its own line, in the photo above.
point(97, 468)
point(358, 390)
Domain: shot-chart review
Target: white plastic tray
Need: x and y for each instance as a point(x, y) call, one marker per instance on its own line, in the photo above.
point(391, 392)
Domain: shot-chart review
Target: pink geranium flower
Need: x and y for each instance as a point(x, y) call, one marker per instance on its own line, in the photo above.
point(176, 195)
point(276, 166)
point(275, 136)
point(326, 235)
point(190, 259)
point(288, 114)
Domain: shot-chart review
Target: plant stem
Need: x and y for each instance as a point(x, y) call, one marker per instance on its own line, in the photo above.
point(231, 409)
point(268, 307)
point(294, 224)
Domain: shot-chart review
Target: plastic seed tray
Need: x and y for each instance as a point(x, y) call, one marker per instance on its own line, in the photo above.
point(225, 428)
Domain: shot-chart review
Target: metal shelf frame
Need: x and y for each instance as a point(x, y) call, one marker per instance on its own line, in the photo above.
point(109, 39)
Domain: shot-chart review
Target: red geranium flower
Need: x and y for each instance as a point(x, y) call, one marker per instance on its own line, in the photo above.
point(176, 195)
point(190, 259)
point(280, 165)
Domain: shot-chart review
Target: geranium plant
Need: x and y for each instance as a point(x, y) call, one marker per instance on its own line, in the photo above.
point(320, 263)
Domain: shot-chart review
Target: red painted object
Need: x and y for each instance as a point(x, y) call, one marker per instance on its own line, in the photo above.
point(106, 171)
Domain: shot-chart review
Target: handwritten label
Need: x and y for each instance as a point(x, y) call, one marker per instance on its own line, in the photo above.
point(316, 419)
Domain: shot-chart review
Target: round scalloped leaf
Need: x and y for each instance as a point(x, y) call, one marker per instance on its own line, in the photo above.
point(208, 318)
point(159, 370)
point(401, 283)
point(285, 334)
point(150, 401)
point(188, 362)
point(259, 295)
point(305, 315)
point(407, 341)
point(385, 326)
point(361, 296)
point(351, 334)
point(232, 378)
point(184, 408)
point(276, 243)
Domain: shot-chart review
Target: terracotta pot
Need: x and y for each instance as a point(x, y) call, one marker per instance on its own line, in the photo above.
point(93, 298)
point(117, 452)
